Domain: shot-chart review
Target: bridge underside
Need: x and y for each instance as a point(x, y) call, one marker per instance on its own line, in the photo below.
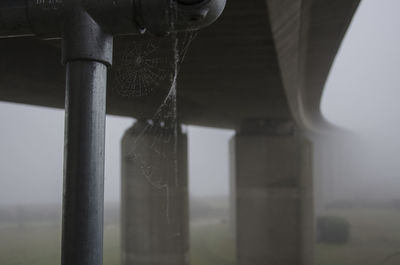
point(261, 59)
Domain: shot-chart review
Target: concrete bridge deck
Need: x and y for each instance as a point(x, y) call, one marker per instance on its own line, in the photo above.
point(264, 59)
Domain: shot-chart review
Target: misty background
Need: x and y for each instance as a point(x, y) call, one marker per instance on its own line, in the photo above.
point(362, 95)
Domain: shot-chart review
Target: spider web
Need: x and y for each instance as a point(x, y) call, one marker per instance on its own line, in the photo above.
point(141, 69)
point(153, 148)
point(144, 67)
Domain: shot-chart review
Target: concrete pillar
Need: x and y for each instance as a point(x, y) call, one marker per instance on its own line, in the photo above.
point(154, 203)
point(272, 175)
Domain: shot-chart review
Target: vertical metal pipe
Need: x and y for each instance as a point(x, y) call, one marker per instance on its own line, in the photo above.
point(82, 239)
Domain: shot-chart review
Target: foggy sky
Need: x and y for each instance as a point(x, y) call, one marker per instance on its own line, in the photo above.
point(31, 156)
point(362, 94)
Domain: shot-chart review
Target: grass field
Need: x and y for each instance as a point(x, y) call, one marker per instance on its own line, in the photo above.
point(375, 235)
point(39, 244)
point(212, 244)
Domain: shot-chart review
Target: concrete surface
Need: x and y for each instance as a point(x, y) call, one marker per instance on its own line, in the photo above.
point(262, 58)
point(273, 196)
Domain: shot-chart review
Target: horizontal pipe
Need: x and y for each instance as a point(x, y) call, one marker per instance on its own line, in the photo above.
point(14, 19)
point(46, 18)
point(191, 2)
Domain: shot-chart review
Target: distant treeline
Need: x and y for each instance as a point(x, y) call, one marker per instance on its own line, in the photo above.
point(200, 208)
point(360, 203)
point(52, 213)
point(209, 208)
point(30, 213)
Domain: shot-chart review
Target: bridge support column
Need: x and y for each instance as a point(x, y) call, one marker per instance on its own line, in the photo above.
point(272, 176)
point(154, 203)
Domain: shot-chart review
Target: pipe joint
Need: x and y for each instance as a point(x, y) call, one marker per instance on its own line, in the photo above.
point(84, 39)
point(161, 17)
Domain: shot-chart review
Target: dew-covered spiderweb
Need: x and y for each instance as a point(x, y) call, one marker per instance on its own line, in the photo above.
point(154, 177)
point(153, 143)
point(147, 65)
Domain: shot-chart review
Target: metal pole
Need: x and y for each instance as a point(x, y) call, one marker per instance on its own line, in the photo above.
point(82, 242)
point(87, 51)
